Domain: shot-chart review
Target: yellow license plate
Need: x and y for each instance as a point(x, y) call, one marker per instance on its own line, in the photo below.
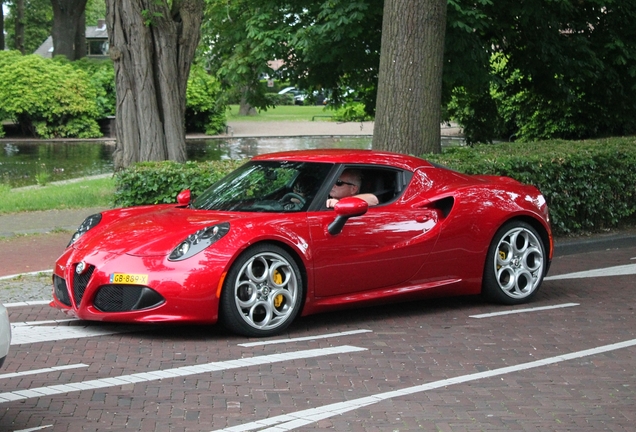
point(129, 279)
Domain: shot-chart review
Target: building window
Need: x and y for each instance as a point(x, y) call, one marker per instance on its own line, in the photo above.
point(97, 47)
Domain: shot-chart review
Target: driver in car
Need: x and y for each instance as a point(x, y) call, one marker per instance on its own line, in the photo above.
point(347, 185)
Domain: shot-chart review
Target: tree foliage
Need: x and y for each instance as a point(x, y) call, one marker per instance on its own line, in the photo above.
point(564, 69)
point(38, 19)
point(331, 45)
point(527, 70)
point(238, 40)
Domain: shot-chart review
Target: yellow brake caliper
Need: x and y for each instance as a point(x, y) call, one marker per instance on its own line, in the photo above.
point(502, 255)
point(278, 279)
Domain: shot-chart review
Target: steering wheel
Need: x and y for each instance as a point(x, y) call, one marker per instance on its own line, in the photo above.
point(289, 196)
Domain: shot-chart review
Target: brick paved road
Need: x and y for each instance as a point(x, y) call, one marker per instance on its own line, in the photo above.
point(541, 370)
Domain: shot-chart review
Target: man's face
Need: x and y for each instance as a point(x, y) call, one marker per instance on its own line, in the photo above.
point(344, 187)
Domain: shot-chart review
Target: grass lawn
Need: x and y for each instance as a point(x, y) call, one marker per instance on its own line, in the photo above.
point(81, 194)
point(282, 113)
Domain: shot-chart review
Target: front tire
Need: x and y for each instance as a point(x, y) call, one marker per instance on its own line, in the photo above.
point(262, 293)
point(515, 264)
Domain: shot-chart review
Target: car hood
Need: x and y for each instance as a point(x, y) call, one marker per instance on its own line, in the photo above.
point(148, 231)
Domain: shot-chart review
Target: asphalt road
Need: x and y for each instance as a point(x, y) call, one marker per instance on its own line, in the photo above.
point(565, 362)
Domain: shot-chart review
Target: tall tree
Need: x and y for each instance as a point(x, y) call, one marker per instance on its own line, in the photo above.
point(19, 26)
point(69, 28)
point(152, 45)
point(1, 25)
point(239, 38)
point(408, 111)
point(38, 19)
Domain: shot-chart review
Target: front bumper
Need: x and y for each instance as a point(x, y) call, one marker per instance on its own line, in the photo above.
point(183, 291)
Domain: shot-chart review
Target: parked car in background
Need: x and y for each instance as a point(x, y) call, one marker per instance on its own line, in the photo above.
point(300, 96)
point(291, 90)
point(5, 333)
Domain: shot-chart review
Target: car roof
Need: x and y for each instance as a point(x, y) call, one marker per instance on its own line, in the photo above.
point(349, 156)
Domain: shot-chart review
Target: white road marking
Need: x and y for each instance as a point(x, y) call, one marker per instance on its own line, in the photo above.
point(32, 332)
point(34, 323)
point(173, 373)
point(45, 370)
point(28, 303)
point(298, 419)
point(306, 338)
point(34, 429)
point(628, 269)
point(516, 311)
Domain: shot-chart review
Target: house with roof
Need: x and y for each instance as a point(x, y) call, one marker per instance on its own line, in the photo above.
point(96, 42)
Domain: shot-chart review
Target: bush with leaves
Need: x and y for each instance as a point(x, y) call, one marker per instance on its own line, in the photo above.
point(351, 112)
point(102, 76)
point(478, 116)
point(588, 185)
point(160, 182)
point(204, 110)
point(47, 99)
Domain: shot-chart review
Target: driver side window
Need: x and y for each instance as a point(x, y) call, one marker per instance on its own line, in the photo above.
point(386, 184)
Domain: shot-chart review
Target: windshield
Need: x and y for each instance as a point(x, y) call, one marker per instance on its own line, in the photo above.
point(266, 187)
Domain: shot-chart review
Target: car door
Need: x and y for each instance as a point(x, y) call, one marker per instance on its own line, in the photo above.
point(384, 247)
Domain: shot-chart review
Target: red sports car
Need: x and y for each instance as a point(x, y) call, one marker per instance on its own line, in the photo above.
point(260, 247)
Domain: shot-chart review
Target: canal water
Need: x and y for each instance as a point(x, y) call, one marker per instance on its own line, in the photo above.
point(27, 163)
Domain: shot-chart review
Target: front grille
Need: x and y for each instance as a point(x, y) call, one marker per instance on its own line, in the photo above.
point(124, 298)
point(61, 291)
point(80, 281)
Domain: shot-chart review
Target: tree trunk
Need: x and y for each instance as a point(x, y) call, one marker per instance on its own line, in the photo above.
point(408, 110)
point(245, 109)
point(2, 42)
point(19, 26)
point(68, 16)
point(80, 37)
point(152, 48)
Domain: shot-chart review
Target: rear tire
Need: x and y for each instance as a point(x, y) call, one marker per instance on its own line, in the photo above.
point(262, 293)
point(515, 264)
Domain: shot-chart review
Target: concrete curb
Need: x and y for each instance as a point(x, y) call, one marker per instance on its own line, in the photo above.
point(595, 242)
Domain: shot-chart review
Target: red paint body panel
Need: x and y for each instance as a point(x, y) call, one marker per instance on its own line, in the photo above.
point(430, 240)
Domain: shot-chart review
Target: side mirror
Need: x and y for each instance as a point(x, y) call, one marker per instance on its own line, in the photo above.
point(345, 209)
point(184, 197)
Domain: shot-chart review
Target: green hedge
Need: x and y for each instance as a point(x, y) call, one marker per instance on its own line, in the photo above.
point(589, 185)
point(160, 182)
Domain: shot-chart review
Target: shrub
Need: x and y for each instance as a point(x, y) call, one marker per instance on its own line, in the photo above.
point(160, 182)
point(102, 77)
point(48, 99)
point(204, 111)
point(351, 112)
point(588, 185)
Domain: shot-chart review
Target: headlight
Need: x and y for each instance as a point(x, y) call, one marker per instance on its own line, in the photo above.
point(89, 222)
point(198, 241)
